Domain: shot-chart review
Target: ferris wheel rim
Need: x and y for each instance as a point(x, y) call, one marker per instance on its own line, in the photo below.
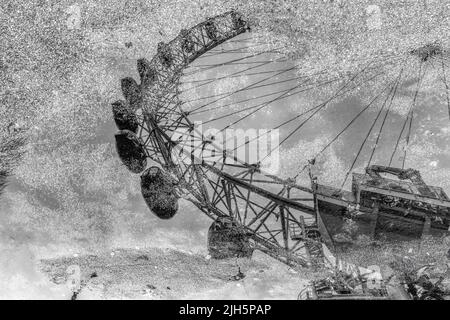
point(155, 65)
point(165, 89)
point(163, 85)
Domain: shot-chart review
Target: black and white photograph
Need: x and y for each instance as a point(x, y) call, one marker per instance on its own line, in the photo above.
point(242, 151)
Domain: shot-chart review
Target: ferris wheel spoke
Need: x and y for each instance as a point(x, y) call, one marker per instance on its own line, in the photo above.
point(285, 94)
point(248, 89)
point(385, 116)
point(447, 88)
point(240, 72)
point(315, 110)
point(219, 51)
point(240, 63)
point(260, 96)
point(255, 86)
point(233, 75)
point(352, 121)
point(243, 89)
point(409, 116)
point(407, 119)
point(228, 62)
point(408, 134)
point(253, 38)
point(169, 112)
point(368, 134)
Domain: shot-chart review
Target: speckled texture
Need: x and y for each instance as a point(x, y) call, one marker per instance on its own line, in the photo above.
point(60, 68)
point(169, 274)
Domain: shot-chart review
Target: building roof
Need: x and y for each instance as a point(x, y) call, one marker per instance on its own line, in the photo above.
point(401, 186)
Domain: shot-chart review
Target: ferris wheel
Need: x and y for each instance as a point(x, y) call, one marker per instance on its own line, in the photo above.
point(218, 75)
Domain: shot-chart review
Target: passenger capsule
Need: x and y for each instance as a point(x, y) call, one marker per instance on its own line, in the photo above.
point(238, 22)
point(131, 151)
point(124, 117)
point(131, 92)
point(146, 72)
point(227, 240)
point(188, 44)
point(211, 30)
point(158, 190)
point(165, 55)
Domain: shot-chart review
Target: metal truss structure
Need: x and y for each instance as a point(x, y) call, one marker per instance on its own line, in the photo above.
point(279, 216)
